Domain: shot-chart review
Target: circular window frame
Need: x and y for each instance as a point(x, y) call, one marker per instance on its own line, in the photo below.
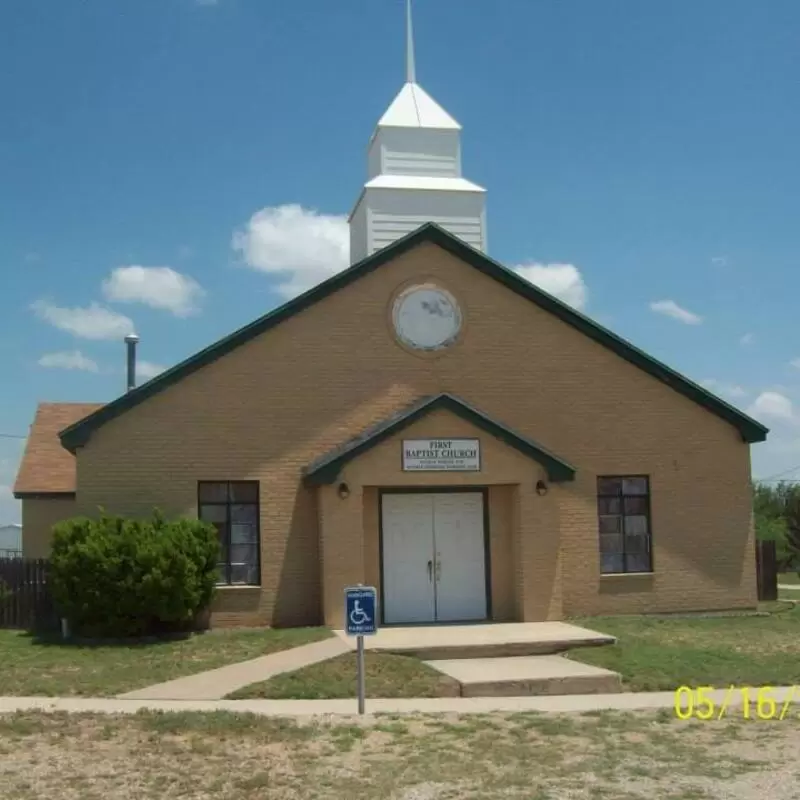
point(415, 284)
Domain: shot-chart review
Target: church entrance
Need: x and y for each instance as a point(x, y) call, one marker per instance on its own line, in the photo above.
point(434, 556)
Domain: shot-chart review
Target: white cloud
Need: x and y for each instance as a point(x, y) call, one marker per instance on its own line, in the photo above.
point(773, 405)
point(10, 507)
point(779, 456)
point(206, 2)
point(728, 389)
point(669, 308)
point(10, 455)
point(300, 246)
point(73, 359)
point(795, 362)
point(563, 281)
point(94, 322)
point(720, 261)
point(145, 370)
point(747, 339)
point(158, 287)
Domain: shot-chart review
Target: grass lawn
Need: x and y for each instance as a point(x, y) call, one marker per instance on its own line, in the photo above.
point(662, 654)
point(387, 675)
point(593, 756)
point(31, 666)
point(789, 578)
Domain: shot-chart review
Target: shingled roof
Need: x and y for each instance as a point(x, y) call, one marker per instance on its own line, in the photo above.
point(47, 468)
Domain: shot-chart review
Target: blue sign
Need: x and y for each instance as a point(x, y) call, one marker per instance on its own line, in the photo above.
point(360, 610)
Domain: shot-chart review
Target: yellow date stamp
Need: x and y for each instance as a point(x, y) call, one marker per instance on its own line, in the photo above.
point(749, 702)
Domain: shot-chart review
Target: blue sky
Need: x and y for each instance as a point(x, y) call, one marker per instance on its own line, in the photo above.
point(182, 167)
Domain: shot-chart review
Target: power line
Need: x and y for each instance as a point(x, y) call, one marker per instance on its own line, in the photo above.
point(779, 475)
point(11, 436)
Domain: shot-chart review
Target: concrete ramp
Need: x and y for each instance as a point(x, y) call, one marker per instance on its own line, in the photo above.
point(527, 675)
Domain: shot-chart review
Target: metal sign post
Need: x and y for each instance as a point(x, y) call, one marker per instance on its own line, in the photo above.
point(362, 680)
point(360, 620)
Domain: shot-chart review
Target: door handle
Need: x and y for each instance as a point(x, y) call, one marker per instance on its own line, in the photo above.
point(430, 570)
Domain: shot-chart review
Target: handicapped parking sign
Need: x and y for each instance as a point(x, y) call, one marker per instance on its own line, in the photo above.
point(361, 607)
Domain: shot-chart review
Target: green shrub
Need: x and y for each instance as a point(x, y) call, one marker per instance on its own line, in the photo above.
point(114, 576)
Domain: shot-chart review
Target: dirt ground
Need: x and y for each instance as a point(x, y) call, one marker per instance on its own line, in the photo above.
point(197, 756)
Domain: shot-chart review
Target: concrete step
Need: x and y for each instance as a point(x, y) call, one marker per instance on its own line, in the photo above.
point(489, 640)
point(519, 676)
point(494, 651)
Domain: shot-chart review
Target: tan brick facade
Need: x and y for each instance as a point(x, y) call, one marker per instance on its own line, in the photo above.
point(267, 409)
point(523, 536)
point(39, 514)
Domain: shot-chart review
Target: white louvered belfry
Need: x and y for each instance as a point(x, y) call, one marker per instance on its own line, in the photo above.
point(414, 174)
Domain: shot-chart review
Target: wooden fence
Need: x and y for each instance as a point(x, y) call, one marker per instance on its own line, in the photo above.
point(767, 571)
point(25, 598)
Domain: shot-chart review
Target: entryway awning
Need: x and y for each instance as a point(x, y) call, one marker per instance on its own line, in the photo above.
point(326, 469)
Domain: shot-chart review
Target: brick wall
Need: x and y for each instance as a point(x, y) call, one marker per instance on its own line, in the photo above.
point(352, 525)
point(38, 517)
point(273, 405)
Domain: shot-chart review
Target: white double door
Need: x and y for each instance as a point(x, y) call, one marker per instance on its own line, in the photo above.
point(434, 557)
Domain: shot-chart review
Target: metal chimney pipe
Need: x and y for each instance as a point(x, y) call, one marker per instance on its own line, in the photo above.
point(131, 340)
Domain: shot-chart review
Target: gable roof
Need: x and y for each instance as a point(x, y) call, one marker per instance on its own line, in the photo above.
point(46, 467)
point(78, 434)
point(326, 469)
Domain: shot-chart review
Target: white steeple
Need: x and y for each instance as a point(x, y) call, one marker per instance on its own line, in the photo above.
point(414, 167)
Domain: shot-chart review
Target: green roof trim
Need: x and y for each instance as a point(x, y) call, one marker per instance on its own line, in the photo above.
point(326, 469)
point(78, 434)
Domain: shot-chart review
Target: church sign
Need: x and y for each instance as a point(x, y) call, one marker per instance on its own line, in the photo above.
point(441, 455)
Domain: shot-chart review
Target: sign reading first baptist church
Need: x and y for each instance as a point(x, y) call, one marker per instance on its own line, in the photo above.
point(441, 455)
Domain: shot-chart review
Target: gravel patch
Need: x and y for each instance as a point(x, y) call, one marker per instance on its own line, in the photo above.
point(525, 756)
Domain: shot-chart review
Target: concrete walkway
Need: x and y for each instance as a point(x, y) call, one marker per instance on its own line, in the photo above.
point(217, 683)
point(792, 587)
point(452, 641)
point(441, 705)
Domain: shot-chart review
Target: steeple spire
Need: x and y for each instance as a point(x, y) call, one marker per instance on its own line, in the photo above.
point(411, 68)
point(414, 172)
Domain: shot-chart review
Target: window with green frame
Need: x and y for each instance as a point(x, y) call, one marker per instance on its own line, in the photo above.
point(232, 507)
point(623, 508)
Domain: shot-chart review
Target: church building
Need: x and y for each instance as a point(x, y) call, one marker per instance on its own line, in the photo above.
point(427, 422)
